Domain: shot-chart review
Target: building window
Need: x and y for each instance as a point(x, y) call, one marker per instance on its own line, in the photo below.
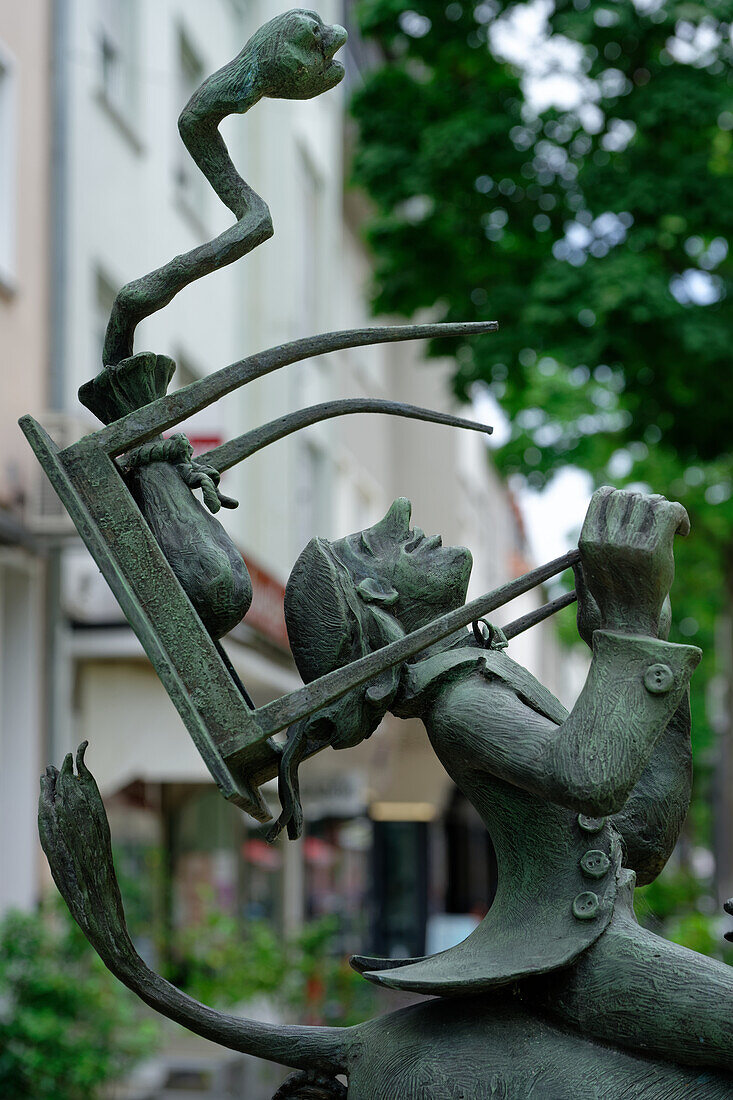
point(190, 182)
point(117, 61)
point(308, 292)
point(313, 493)
point(105, 293)
point(186, 372)
point(203, 429)
point(400, 882)
point(7, 169)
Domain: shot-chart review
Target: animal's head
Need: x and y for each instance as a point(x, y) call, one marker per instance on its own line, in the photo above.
point(294, 53)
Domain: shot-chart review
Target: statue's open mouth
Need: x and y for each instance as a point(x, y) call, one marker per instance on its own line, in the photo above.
point(336, 38)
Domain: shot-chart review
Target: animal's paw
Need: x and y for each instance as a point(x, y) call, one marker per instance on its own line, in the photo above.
point(75, 836)
point(728, 906)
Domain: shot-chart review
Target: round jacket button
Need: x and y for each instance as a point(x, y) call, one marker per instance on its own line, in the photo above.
point(586, 905)
point(595, 864)
point(591, 824)
point(658, 679)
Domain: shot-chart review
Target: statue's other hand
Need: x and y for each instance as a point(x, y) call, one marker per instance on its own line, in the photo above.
point(75, 836)
point(626, 554)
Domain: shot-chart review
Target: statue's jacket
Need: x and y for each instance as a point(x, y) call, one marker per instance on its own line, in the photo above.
point(562, 796)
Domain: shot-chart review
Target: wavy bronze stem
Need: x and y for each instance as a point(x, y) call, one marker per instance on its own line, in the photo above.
point(280, 61)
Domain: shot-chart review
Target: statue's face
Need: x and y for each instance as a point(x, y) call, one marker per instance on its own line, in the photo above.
point(430, 578)
point(427, 577)
point(296, 55)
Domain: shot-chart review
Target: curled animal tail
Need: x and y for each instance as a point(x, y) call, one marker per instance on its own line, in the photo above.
point(76, 839)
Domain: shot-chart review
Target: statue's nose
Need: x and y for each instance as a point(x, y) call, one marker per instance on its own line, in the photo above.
point(335, 38)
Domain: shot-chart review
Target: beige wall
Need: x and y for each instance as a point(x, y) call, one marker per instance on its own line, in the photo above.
point(24, 39)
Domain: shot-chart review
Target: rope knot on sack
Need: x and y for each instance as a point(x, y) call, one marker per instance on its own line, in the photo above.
point(177, 450)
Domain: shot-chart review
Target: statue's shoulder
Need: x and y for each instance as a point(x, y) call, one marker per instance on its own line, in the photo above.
point(424, 679)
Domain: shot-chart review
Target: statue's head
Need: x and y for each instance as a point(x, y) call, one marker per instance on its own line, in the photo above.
point(405, 570)
point(295, 55)
point(348, 598)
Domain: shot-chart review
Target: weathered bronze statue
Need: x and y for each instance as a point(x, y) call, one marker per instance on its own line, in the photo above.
point(579, 808)
point(558, 993)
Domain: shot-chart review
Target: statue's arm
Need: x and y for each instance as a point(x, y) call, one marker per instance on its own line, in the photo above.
point(652, 818)
point(635, 685)
point(592, 761)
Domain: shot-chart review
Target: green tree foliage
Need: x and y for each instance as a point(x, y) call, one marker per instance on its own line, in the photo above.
point(682, 908)
point(67, 1026)
point(589, 247)
point(598, 238)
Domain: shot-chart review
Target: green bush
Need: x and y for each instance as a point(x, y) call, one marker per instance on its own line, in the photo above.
point(223, 964)
point(682, 908)
point(66, 1025)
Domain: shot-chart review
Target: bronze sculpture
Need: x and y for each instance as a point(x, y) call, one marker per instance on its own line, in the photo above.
point(558, 993)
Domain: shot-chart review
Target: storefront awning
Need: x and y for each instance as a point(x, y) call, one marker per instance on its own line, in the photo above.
point(133, 729)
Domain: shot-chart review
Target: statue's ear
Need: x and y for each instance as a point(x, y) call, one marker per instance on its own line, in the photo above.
point(379, 592)
point(384, 629)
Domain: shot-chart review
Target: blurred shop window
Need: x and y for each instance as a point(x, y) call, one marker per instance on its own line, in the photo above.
point(117, 36)
point(8, 168)
point(400, 883)
point(189, 180)
point(470, 858)
point(336, 855)
point(204, 836)
point(215, 862)
point(261, 881)
point(134, 816)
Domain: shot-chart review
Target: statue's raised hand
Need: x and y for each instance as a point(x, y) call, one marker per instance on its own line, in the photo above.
point(627, 559)
point(75, 836)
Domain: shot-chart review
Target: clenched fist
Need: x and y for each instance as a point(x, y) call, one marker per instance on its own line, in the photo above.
point(627, 564)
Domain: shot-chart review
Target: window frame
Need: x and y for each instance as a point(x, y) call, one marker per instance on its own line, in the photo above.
point(123, 103)
point(190, 186)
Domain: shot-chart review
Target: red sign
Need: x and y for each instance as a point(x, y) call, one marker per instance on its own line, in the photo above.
point(202, 443)
point(267, 614)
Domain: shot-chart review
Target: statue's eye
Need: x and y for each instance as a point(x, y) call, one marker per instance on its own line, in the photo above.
point(316, 31)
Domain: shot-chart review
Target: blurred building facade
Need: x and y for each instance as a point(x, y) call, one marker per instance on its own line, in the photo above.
point(25, 106)
point(95, 189)
point(391, 848)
